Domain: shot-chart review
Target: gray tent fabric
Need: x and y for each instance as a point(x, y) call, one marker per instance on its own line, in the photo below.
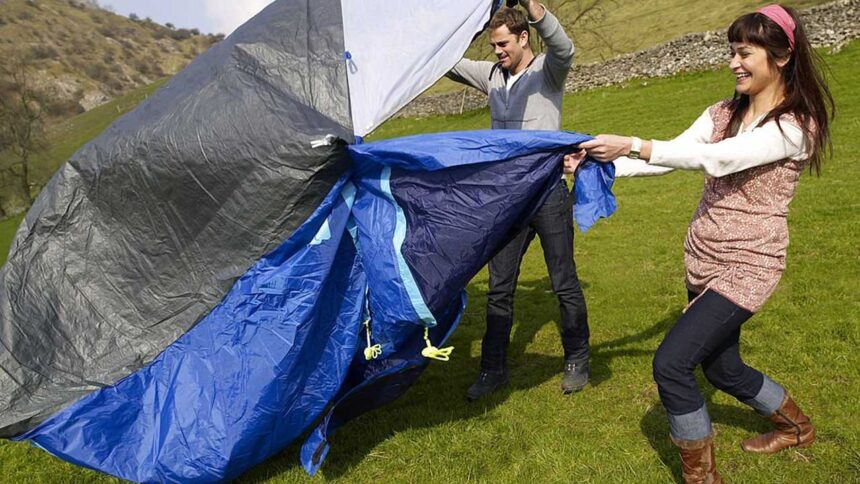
point(143, 231)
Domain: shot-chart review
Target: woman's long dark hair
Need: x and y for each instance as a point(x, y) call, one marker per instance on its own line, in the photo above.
point(807, 96)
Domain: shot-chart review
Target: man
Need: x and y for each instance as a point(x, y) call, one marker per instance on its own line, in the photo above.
point(525, 92)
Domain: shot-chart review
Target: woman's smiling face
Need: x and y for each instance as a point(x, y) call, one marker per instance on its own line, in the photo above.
point(752, 69)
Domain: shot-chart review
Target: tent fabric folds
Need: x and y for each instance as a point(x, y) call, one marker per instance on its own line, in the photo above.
point(144, 230)
point(286, 343)
point(193, 290)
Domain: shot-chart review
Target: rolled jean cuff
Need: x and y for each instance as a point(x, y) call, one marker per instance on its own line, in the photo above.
point(769, 398)
point(690, 426)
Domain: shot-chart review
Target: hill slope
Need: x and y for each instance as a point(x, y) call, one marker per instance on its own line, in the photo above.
point(89, 55)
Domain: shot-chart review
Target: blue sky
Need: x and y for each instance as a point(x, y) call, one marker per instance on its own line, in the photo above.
point(211, 16)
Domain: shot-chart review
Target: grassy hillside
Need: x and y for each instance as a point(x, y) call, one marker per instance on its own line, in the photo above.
point(89, 54)
point(631, 267)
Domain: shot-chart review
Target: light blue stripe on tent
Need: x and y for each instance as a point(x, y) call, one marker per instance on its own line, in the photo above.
point(399, 236)
point(348, 194)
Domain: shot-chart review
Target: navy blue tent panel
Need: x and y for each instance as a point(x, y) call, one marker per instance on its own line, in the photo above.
point(459, 205)
point(487, 203)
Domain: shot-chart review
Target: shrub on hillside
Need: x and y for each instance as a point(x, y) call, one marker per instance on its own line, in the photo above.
point(63, 107)
point(25, 16)
point(42, 52)
point(111, 31)
point(181, 34)
point(115, 85)
point(96, 71)
point(75, 48)
point(141, 66)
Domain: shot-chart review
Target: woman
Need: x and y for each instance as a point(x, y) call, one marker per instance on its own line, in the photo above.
point(753, 149)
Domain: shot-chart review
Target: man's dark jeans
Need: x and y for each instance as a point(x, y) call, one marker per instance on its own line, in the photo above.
point(553, 223)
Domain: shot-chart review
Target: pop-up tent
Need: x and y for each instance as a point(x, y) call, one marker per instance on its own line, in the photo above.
point(228, 264)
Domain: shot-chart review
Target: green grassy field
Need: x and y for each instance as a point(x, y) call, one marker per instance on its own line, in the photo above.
point(631, 267)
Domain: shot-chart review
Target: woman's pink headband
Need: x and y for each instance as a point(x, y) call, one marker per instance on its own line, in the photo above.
point(782, 18)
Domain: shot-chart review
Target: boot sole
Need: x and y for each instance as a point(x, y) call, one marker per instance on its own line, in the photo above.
point(804, 445)
point(471, 398)
point(568, 391)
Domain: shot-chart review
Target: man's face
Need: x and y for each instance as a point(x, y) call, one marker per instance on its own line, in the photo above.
point(508, 47)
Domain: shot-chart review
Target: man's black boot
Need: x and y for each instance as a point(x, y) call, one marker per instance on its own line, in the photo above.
point(575, 376)
point(488, 382)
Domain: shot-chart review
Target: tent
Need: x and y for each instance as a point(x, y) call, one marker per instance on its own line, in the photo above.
point(228, 267)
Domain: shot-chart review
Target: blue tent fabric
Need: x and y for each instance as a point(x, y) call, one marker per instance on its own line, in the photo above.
point(284, 348)
point(458, 215)
point(593, 193)
point(188, 294)
point(242, 383)
point(593, 190)
point(147, 227)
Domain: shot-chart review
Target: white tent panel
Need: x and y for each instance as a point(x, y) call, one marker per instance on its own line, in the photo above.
point(423, 39)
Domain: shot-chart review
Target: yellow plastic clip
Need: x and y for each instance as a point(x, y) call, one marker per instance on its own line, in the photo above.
point(441, 354)
point(372, 352)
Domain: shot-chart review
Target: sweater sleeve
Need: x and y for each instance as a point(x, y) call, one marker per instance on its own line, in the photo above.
point(757, 147)
point(559, 48)
point(698, 132)
point(472, 73)
point(628, 167)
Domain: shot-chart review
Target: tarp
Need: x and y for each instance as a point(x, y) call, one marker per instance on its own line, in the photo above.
point(192, 290)
point(144, 230)
point(394, 243)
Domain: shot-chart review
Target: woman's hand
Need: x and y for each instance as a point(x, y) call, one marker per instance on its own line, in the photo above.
point(607, 147)
point(572, 161)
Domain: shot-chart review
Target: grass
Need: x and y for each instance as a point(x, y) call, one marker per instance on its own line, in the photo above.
point(631, 267)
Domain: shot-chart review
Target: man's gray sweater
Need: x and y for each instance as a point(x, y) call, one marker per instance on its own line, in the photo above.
point(534, 101)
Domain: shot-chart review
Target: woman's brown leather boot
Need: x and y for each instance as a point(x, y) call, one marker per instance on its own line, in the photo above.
point(792, 428)
point(697, 461)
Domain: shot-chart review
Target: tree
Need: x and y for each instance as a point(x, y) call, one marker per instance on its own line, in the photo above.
point(583, 18)
point(21, 118)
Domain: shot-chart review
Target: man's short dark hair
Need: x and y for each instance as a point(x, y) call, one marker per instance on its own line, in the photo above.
point(512, 18)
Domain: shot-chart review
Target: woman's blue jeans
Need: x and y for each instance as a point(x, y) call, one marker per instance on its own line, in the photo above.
point(708, 334)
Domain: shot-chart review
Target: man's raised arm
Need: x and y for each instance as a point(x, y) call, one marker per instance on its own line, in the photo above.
point(559, 47)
